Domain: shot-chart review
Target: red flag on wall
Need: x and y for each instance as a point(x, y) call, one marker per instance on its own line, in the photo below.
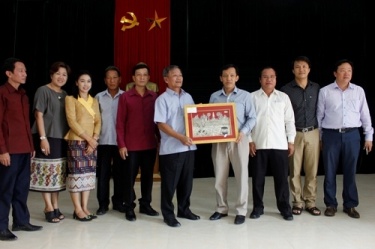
point(142, 34)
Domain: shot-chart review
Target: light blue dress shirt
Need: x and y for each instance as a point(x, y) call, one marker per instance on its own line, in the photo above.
point(245, 111)
point(344, 109)
point(108, 110)
point(169, 109)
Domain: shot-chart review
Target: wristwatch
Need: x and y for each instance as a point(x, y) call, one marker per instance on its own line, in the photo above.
point(43, 137)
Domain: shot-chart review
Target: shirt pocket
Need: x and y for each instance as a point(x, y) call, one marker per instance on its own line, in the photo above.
point(353, 105)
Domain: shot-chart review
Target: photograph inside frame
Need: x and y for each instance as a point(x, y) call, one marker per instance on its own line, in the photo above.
point(211, 123)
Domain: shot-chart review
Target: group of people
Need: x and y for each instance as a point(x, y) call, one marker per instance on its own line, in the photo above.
point(78, 141)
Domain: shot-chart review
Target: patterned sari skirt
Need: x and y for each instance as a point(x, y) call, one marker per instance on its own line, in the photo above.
point(81, 167)
point(48, 173)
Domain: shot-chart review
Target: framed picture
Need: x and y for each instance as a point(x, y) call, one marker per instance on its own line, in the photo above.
point(211, 123)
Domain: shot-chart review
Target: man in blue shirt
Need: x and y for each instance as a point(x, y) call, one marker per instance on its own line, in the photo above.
point(234, 153)
point(177, 151)
point(342, 110)
point(109, 160)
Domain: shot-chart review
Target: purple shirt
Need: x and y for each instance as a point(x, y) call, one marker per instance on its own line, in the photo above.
point(344, 109)
point(135, 125)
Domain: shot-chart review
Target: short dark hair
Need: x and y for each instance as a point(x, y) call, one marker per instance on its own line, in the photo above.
point(302, 58)
point(340, 62)
point(56, 66)
point(169, 68)
point(9, 64)
point(139, 66)
point(112, 68)
point(267, 67)
point(225, 67)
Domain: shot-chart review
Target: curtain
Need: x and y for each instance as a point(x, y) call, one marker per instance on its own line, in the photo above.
point(142, 43)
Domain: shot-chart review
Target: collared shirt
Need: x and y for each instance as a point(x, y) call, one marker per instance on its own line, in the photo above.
point(344, 109)
point(15, 132)
point(135, 125)
point(245, 111)
point(169, 109)
point(304, 102)
point(108, 110)
point(275, 120)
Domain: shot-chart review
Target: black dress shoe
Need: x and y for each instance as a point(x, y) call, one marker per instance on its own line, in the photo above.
point(256, 214)
point(172, 222)
point(287, 216)
point(148, 210)
point(189, 215)
point(330, 211)
point(217, 216)
point(352, 212)
point(27, 227)
point(101, 211)
point(239, 219)
point(130, 215)
point(7, 235)
point(120, 208)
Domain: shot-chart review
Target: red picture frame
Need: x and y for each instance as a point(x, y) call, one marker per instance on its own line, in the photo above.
point(211, 123)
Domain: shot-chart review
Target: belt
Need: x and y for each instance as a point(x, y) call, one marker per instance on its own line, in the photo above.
point(343, 130)
point(306, 129)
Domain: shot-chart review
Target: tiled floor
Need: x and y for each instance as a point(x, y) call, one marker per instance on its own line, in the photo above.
point(269, 231)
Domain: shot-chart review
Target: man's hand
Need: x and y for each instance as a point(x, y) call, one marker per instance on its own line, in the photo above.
point(5, 159)
point(123, 152)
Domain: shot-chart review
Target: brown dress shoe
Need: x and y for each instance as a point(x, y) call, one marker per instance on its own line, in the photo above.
point(352, 212)
point(330, 211)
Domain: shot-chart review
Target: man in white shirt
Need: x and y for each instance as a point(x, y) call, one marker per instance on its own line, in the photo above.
point(271, 143)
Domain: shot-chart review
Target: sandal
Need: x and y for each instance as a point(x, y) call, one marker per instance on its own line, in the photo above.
point(58, 214)
point(51, 217)
point(313, 211)
point(297, 210)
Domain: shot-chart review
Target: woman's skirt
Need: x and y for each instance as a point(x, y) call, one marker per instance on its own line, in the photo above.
point(81, 167)
point(48, 173)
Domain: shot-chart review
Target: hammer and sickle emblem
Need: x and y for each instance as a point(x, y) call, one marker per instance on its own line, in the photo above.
point(131, 23)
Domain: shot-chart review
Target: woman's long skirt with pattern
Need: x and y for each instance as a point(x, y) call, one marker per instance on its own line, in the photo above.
point(48, 173)
point(81, 167)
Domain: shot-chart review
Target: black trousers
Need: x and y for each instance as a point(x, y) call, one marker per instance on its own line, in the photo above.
point(14, 190)
point(109, 163)
point(176, 171)
point(277, 160)
point(145, 161)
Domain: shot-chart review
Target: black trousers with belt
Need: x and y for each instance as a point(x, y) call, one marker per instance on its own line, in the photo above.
point(176, 171)
point(277, 160)
point(145, 161)
point(109, 164)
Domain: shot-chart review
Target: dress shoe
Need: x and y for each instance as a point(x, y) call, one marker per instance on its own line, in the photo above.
point(217, 216)
point(330, 211)
point(189, 215)
point(130, 215)
point(101, 211)
point(352, 212)
point(7, 235)
point(287, 216)
point(148, 210)
point(239, 219)
point(255, 214)
point(26, 227)
point(172, 222)
point(120, 208)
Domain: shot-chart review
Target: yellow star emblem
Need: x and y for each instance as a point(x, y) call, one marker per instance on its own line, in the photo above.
point(156, 21)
